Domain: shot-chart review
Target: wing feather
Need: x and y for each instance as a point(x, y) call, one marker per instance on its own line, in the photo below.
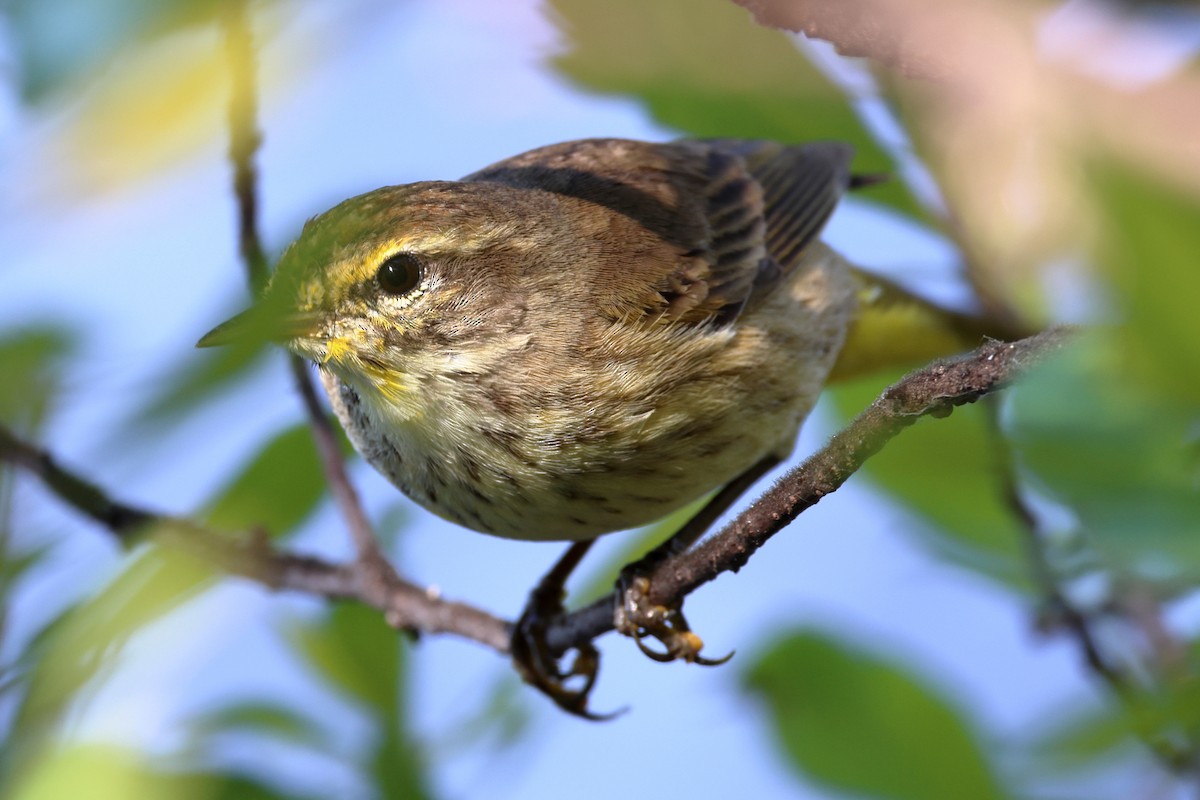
point(710, 223)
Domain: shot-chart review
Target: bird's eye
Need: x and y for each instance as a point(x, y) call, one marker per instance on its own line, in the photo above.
point(399, 273)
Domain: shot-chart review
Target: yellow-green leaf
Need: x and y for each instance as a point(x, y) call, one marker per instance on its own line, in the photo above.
point(859, 724)
point(705, 67)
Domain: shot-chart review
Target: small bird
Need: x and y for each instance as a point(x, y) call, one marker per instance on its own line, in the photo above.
point(582, 338)
point(585, 337)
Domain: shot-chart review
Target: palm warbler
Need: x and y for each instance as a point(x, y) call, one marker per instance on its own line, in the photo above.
point(585, 337)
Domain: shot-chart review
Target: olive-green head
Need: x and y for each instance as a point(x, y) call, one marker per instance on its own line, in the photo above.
point(390, 287)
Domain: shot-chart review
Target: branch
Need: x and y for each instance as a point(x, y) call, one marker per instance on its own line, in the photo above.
point(244, 140)
point(1134, 604)
point(250, 555)
point(932, 391)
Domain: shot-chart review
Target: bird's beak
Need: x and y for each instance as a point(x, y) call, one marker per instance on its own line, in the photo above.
point(260, 324)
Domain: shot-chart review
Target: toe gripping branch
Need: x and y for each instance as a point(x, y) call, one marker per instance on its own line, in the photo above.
point(640, 619)
point(568, 686)
point(634, 614)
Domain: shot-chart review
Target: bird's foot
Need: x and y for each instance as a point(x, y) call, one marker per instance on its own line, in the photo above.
point(640, 619)
point(568, 686)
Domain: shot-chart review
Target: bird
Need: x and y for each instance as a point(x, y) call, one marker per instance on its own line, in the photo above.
point(585, 337)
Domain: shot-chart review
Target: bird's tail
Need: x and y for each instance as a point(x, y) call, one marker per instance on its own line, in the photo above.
point(895, 328)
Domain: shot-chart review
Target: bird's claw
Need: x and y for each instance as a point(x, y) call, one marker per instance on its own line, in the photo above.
point(641, 619)
point(542, 668)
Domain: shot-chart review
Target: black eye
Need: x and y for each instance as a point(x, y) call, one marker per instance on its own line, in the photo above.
point(399, 273)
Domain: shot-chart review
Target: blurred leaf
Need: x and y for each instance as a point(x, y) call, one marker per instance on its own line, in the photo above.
point(355, 651)
point(501, 721)
point(705, 67)
point(1149, 249)
point(153, 107)
point(239, 787)
point(14, 565)
point(105, 772)
point(1124, 458)
point(71, 652)
point(30, 360)
point(59, 41)
point(860, 725)
point(396, 764)
point(945, 471)
point(277, 489)
point(146, 82)
point(201, 377)
point(97, 772)
point(267, 719)
point(1164, 717)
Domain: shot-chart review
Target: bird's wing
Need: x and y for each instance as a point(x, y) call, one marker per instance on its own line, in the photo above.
point(690, 230)
point(801, 185)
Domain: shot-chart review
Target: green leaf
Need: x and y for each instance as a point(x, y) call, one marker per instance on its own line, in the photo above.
point(263, 718)
point(202, 376)
point(397, 764)
point(61, 41)
point(106, 772)
point(945, 470)
point(357, 653)
point(1149, 248)
point(241, 787)
point(80, 645)
point(1121, 455)
point(858, 724)
point(1164, 717)
point(30, 361)
point(705, 67)
point(276, 490)
point(98, 772)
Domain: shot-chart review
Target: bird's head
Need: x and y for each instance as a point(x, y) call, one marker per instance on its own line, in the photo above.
point(395, 287)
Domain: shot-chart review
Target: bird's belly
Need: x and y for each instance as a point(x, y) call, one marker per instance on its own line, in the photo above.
point(561, 474)
point(547, 487)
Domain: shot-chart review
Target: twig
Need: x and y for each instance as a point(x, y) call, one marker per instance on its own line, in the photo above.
point(122, 519)
point(1135, 605)
point(250, 555)
point(244, 140)
point(934, 391)
point(370, 557)
point(1043, 573)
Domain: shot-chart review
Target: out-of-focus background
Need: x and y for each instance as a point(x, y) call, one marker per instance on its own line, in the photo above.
point(909, 637)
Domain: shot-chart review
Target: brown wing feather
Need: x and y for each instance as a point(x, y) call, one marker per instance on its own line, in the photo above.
point(708, 221)
point(801, 186)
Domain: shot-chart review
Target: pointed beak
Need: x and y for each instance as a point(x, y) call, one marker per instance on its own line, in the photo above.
point(260, 324)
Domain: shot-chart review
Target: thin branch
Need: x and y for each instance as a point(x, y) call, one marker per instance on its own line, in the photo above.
point(380, 571)
point(121, 519)
point(244, 138)
point(252, 556)
point(244, 141)
point(1044, 576)
point(932, 391)
point(1135, 606)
